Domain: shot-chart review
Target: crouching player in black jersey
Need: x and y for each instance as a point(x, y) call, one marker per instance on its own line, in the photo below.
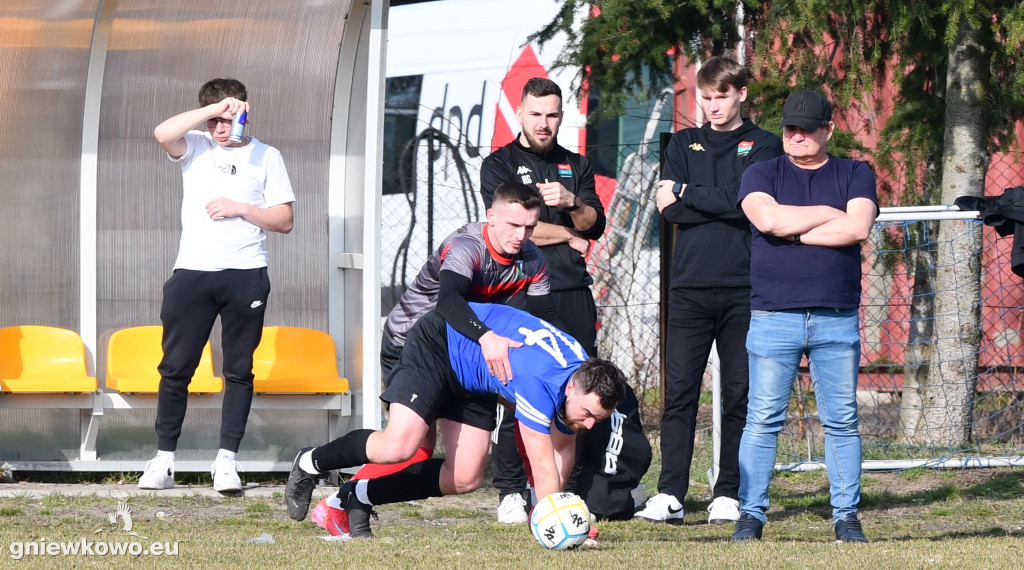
point(443, 377)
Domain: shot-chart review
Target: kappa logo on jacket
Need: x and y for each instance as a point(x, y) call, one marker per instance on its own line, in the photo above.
point(697, 146)
point(524, 174)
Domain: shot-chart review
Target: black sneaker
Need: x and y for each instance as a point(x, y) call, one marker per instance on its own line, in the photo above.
point(747, 528)
point(848, 529)
point(359, 513)
point(299, 490)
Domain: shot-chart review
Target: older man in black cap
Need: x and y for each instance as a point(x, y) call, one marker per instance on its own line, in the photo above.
point(808, 212)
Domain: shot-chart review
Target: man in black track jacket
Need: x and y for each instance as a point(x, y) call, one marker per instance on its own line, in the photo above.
point(710, 284)
point(572, 216)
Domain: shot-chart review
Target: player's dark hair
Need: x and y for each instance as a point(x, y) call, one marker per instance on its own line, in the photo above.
point(601, 377)
point(541, 87)
point(215, 90)
point(720, 73)
point(517, 193)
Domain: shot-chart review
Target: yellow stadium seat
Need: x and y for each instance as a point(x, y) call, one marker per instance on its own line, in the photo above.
point(296, 360)
point(43, 359)
point(133, 355)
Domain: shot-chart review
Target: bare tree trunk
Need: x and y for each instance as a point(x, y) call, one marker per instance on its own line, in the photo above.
point(923, 259)
point(920, 342)
point(952, 378)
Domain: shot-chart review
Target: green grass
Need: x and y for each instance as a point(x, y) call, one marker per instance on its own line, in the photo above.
point(911, 528)
point(258, 508)
point(947, 475)
point(913, 474)
point(56, 500)
point(121, 478)
point(915, 519)
point(450, 512)
point(1000, 487)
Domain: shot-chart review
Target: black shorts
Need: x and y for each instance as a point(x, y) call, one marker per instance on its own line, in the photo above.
point(424, 380)
point(390, 353)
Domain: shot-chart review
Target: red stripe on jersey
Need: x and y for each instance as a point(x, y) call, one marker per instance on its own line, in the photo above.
point(510, 289)
point(444, 252)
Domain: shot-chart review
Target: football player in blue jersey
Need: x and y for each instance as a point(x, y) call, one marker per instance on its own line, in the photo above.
point(443, 377)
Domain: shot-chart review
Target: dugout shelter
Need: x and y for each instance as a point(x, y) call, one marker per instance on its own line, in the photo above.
point(90, 207)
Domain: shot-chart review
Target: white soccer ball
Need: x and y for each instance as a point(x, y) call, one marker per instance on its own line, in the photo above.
point(560, 521)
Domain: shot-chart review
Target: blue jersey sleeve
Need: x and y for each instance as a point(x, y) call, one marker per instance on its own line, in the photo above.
point(540, 368)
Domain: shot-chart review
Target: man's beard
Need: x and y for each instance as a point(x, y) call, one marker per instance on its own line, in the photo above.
point(538, 147)
point(575, 427)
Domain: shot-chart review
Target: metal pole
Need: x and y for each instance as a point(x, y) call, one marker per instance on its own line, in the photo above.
point(716, 415)
point(666, 238)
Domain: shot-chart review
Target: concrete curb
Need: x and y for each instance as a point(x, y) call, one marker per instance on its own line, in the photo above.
point(40, 490)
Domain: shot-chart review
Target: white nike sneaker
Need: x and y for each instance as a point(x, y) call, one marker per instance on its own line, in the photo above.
point(723, 510)
point(512, 509)
point(225, 476)
point(662, 508)
point(158, 475)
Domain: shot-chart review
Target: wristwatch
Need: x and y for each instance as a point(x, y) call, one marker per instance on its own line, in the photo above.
point(575, 205)
point(677, 189)
point(796, 239)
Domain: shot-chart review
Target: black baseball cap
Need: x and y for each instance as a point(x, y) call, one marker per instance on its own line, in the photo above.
point(806, 109)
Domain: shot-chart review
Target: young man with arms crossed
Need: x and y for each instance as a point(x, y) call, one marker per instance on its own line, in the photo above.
point(710, 284)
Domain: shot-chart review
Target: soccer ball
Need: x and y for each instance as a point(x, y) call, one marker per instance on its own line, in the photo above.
point(560, 521)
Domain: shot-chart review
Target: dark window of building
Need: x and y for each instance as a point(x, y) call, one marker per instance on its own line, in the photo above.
point(401, 107)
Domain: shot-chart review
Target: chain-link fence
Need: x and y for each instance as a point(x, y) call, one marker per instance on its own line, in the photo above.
point(626, 266)
point(440, 192)
point(920, 403)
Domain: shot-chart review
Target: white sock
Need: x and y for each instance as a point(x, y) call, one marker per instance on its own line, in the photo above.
point(306, 463)
point(225, 454)
point(165, 457)
point(361, 492)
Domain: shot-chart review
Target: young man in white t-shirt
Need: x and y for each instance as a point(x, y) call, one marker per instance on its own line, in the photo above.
point(233, 192)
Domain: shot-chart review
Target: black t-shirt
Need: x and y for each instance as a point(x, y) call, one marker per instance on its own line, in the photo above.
point(784, 275)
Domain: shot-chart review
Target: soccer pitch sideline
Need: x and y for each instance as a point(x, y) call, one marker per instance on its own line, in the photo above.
point(918, 518)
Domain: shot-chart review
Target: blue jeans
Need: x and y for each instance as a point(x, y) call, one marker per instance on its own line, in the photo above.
point(776, 342)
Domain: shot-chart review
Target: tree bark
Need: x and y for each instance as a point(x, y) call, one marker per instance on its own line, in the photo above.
point(920, 341)
point(952, 377)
